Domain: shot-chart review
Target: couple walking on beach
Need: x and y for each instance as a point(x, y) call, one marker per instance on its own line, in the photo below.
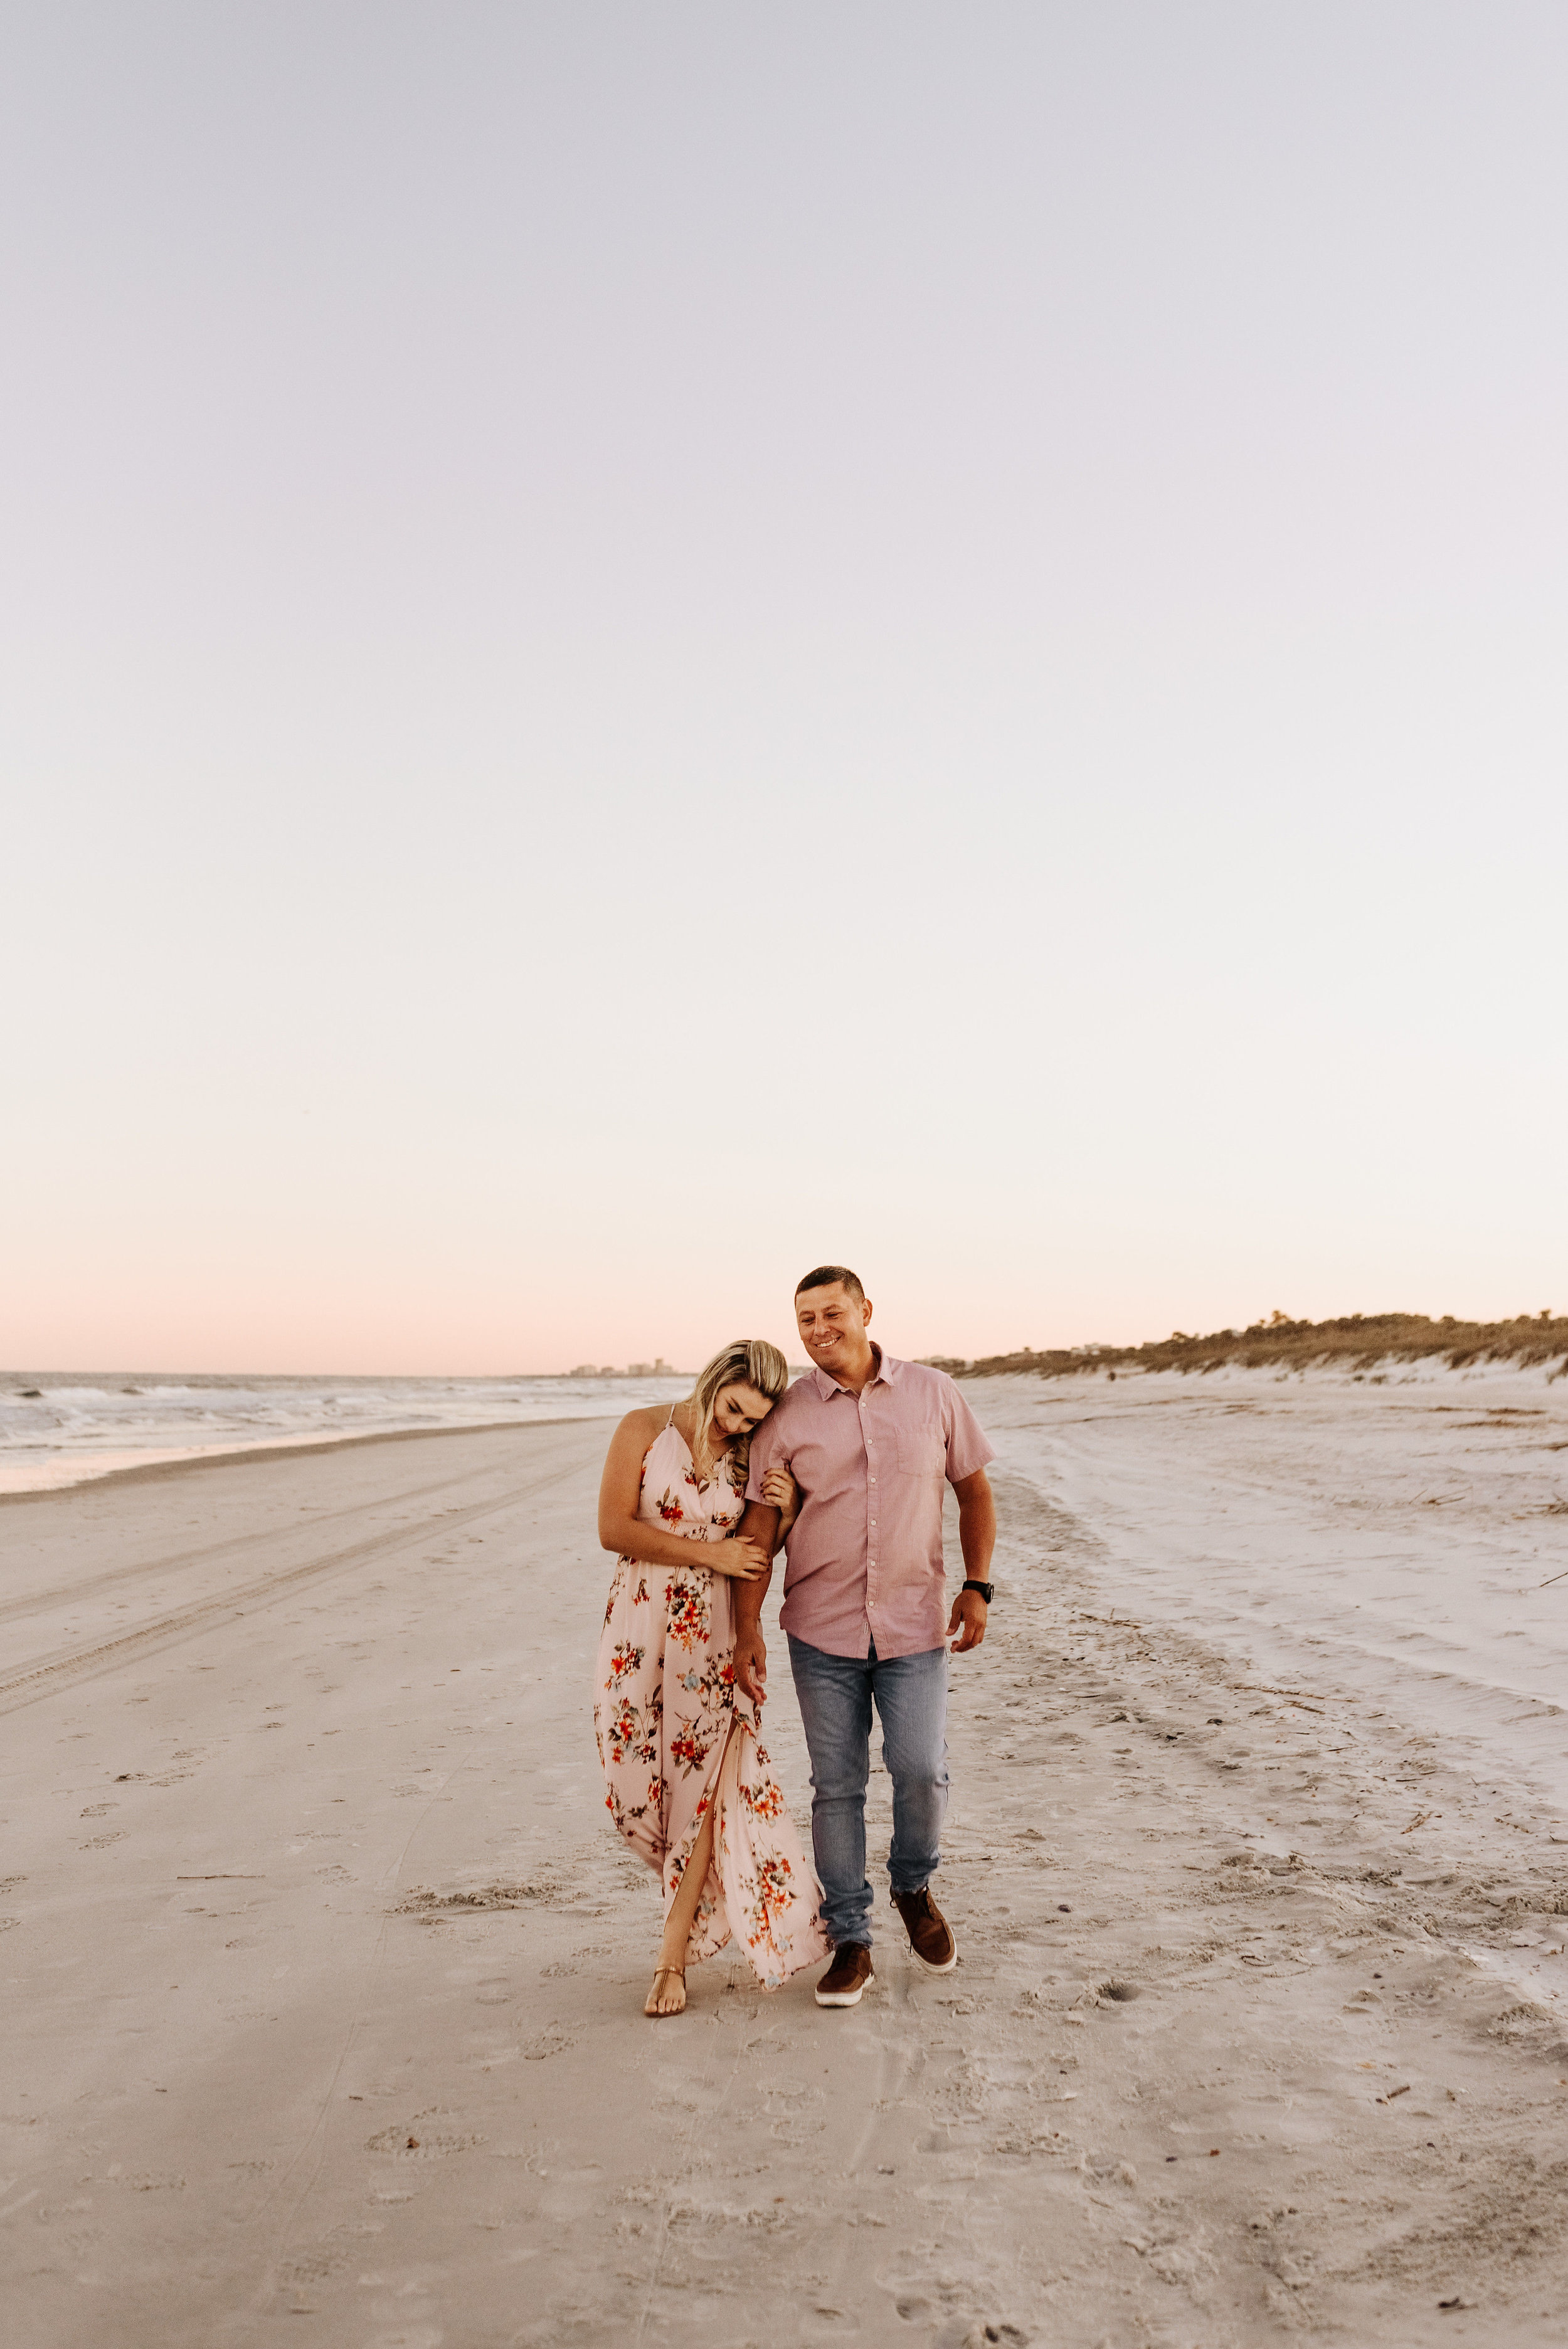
point(845, 1471)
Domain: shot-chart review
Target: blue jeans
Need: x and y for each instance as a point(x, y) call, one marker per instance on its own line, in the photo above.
point(835, 1695)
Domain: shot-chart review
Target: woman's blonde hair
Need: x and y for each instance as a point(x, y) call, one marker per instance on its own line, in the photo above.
point(747, 1362)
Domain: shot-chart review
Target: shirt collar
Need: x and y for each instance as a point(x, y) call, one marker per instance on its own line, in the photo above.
point(884, 1374)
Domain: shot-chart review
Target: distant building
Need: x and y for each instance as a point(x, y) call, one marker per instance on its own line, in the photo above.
point(585, 1370)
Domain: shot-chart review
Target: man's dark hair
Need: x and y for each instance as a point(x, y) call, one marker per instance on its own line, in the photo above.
point(826, 1275)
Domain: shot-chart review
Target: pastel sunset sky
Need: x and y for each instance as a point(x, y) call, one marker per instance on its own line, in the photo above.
point(645, 646)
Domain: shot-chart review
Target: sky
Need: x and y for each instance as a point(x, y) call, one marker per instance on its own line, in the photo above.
point(644, 647)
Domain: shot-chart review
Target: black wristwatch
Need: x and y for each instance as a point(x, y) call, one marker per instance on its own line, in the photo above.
point(984, 1588)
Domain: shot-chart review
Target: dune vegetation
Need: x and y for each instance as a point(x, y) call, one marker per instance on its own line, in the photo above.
point(1353, 1341)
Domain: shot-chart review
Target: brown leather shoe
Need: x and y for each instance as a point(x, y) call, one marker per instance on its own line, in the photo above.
point(929, 1934)
point(847, 1977)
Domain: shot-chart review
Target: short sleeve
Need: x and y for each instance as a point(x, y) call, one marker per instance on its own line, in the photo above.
point(968, 1445)
point(763, 1446)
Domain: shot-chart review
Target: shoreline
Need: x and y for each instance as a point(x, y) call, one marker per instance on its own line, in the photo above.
point(285, 1448)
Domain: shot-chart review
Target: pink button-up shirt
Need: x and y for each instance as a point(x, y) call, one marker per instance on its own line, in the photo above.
point(865, 1553)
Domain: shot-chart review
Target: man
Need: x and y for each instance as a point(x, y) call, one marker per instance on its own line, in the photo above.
point(868, 1442)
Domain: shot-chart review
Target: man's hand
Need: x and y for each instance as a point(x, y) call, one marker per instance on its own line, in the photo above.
point(968, 1618)
point(750, 1657)
point(759, 1526)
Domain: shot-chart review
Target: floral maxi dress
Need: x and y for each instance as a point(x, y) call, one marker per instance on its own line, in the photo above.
point(664, 1701)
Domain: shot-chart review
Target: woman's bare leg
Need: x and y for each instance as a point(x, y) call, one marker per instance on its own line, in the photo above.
point(668, 1995)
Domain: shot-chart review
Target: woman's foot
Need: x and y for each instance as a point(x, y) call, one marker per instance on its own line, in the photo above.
point(668, 1995)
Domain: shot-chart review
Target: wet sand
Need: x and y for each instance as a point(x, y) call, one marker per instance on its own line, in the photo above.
point(324, 1966)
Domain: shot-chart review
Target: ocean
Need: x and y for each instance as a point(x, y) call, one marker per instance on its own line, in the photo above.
point(65, 1427)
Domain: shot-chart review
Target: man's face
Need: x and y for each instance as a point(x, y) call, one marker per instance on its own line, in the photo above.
point(833, 1325)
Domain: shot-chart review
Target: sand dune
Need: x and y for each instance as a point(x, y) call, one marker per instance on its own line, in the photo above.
point(330, 1966)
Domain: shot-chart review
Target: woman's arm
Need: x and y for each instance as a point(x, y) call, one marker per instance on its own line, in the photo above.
point(628, 1536)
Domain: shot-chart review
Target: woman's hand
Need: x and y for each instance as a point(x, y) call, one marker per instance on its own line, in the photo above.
point(742, 1560)
point(780, 1492)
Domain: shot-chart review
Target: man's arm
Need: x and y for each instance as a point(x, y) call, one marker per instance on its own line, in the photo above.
point(759, 1525)
point(977, 1540)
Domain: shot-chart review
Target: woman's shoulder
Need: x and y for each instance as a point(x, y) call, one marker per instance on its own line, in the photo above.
point(646, 1422)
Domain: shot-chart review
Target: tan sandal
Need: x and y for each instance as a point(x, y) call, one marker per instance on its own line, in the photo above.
point(662, 1973)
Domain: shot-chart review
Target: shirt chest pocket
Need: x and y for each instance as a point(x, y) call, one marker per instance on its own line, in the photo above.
point(922, 1452)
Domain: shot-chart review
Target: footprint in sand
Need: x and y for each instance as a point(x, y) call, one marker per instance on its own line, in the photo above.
point(421, 2140)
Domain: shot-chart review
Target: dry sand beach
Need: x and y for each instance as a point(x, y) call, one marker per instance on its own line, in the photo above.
point(324, 1966)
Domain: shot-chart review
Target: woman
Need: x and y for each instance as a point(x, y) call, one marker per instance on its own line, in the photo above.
point(680, 1747)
